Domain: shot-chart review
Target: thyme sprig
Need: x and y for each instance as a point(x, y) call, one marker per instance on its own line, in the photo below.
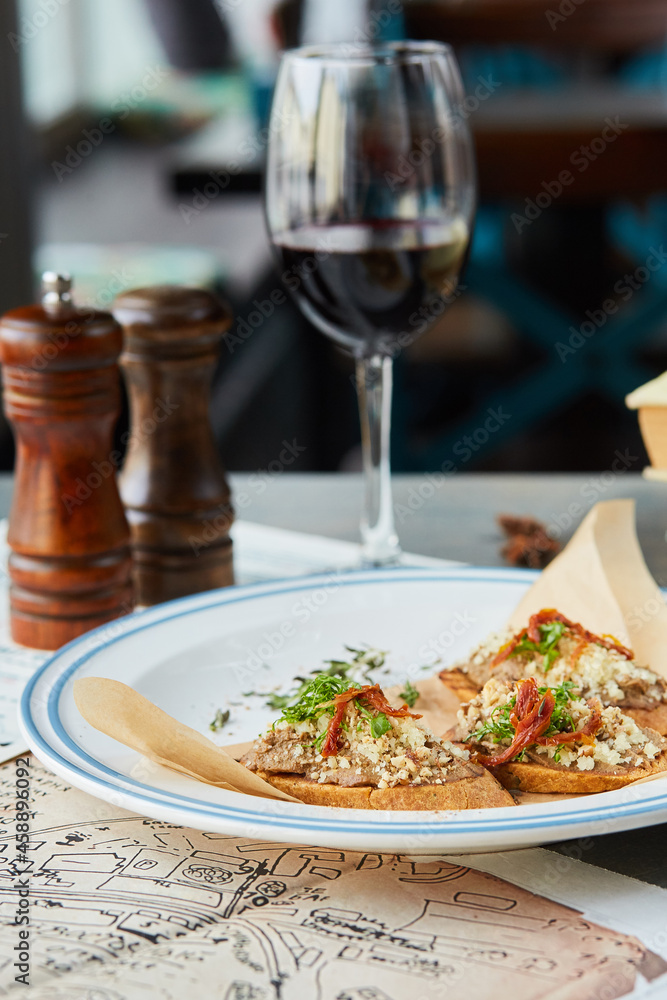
point(409, 694)
point(356, 670)
point(220, 719)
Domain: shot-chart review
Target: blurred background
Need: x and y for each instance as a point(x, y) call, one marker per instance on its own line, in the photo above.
point(132, 143)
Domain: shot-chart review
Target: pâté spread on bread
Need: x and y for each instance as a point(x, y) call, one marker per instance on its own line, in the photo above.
point(555, 650)
point(346, 745)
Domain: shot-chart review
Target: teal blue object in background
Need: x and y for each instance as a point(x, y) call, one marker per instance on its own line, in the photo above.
point(647, 70)
point(515, 66)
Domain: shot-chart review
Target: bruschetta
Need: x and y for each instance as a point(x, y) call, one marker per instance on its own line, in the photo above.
point(555, 650)
point(549, 739)
point(347, 746)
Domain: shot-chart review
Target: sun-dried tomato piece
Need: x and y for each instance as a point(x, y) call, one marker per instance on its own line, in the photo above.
point(331, 743)
point(506, 651)
point(545, 617)
point(530, 717)
point(577, 651)
point(548, 615)
point(528, 543)
point(352, 692)
point(370, 696)
point(375, 698)
point(332, 740)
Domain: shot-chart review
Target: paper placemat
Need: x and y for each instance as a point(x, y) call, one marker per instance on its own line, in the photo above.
point(121, 907)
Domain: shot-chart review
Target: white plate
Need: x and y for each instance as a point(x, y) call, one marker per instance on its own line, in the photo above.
point(200, 653)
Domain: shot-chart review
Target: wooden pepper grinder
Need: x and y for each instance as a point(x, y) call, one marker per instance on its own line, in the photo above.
point(70, 560)
point(173, 484)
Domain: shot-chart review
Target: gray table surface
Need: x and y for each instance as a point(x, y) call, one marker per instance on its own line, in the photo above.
point(451, 519)
point(455, 519)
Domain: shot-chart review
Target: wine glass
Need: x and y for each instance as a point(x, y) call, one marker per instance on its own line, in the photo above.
point(370, 200)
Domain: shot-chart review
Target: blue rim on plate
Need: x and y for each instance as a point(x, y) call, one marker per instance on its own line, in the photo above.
point(98, 777)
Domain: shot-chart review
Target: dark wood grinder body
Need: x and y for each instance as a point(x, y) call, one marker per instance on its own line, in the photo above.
point(173, 483)
point(70, 560)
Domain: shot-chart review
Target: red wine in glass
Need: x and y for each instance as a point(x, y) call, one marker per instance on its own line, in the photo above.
point(374, 287)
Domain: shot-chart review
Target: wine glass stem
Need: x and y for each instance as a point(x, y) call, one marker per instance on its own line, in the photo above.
point(379, 540)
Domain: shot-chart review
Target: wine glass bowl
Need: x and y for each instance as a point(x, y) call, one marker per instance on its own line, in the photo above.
point(370, 199)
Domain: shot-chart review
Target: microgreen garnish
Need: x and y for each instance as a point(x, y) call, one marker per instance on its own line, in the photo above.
point(498, 726)
point(315, 695)
point(409, 694)
point(356, 670)
point(219, 720)
point(550, 634)
point(379, 725)
point(317, 699)
point(561, 720)
point(367, 657)
point(307, 704)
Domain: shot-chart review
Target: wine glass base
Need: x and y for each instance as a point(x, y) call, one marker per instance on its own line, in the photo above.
point(372, 558)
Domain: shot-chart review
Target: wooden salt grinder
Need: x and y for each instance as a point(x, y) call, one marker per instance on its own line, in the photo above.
point(70, 562)
point(173, 484)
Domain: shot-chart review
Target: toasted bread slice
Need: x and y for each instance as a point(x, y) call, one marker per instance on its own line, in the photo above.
point(475, 788)
point(650, 718)
point(531, 776)
point(460, 683)
point(347, 746)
